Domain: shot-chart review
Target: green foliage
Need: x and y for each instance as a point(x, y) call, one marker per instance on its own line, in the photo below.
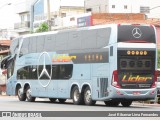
point(42, 28)
point(159, 58)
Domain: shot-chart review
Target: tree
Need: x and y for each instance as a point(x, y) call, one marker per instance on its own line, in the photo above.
point(43, 27)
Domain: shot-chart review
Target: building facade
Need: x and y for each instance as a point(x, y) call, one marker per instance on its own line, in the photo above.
point(23, 8)
point(52, 12)
point(149, 7)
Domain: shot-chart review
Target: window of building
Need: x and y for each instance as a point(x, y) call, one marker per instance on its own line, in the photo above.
point(28, 17)
point(125, 6)
point(113, 6)
point(144, 9)
point(63, 14)
point(22, 18)
point(72, 19)
point(89, 10)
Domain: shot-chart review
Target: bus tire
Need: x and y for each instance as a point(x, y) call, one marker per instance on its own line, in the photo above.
point(21, 96)
point(62, 100)
point(52, 99)
point(76, 96)
point(28, 95)
point(87, 97)
point(126, 103)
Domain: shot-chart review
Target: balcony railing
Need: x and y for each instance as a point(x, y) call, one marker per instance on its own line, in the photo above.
point(25, 24)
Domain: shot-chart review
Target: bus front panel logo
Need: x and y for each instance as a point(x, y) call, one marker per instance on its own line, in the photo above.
point(136, 32)
point(43, 59)
point(136, 78)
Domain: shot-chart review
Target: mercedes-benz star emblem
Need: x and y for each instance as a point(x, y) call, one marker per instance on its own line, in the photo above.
point(136, 32)
point(44, 72)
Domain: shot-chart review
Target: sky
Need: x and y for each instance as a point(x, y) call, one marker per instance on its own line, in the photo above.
point(8, 16)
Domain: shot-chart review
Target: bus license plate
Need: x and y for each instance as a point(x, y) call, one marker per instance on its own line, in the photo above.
point(136, 93)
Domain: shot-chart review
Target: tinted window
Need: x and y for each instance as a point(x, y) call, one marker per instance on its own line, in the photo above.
point(89, 39)
point(58, 72)
point(40, 43)
point(61, 41)
point(128, 33)
point(103, 36)
point(33, 45)
point(50, 41)
point(74, 41)
point(14, 45)
point(25, 47)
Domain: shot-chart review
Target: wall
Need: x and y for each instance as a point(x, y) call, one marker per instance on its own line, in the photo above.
point(158, 36)
point(97, 5)
point(133, 6)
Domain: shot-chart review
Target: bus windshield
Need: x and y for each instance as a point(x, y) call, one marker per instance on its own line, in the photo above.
point(136, 34)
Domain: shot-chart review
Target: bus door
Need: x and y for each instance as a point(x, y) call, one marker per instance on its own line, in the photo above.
point(11, 79)
point(65, 73)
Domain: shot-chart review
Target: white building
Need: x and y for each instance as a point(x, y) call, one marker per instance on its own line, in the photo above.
point(149, 7)
point(33, 12)
point(22, 8)
point(57, 9)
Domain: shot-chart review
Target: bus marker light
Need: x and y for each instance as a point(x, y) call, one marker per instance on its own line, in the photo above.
point(115, 79)
point(145, 52)
point(141, 52)
point(155, 79)
point(133, 52)
point(128, 52)
point(152, 92)
point(137, 52)
point(119, 93)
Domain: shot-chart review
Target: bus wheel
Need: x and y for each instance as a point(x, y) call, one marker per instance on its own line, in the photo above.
point(126, 103)
point(87, 97)
point(76, 96)
point(52, 99)
point(112, 103)
point(61, 100)
point(21, 95)
point(28, 95)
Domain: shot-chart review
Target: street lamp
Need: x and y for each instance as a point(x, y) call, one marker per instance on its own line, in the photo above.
point(48, 15)
point(5, 5)
point(147, 11)
point(154, 7)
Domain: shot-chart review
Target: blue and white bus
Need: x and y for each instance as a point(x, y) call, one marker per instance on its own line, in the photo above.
point(113, 63)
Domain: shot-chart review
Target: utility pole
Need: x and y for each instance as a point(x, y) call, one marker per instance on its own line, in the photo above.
point(48, 15)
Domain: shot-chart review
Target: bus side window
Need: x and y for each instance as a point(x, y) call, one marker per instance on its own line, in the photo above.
point(10, 68)
point(111, 51)
point(65, 71)
point(24, 49)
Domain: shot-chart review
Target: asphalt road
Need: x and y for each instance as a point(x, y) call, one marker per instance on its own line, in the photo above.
point(11, 103)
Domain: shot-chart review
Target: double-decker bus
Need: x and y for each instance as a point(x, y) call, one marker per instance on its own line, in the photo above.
point(114, 63)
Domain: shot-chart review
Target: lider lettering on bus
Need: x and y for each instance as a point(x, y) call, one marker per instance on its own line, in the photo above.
point(135, 78)
point(62, 58)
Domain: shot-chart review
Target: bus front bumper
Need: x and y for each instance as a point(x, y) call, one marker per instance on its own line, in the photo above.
point(133, 94)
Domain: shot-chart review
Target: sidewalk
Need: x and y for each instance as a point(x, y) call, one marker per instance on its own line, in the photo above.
point(146, 104)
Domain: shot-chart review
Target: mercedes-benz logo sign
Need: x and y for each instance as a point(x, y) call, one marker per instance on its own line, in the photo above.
point(44, 72)
point(136, 32)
